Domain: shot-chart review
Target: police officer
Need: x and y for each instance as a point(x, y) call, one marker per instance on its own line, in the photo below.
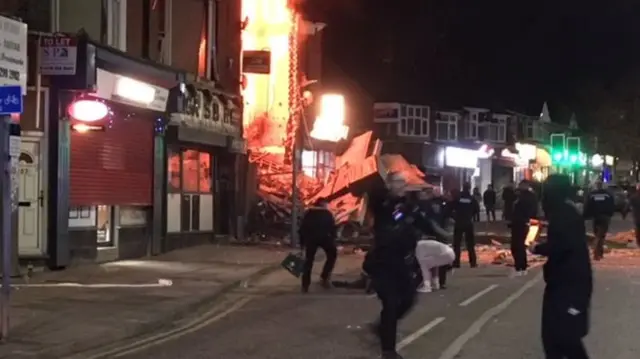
point(600, 207)
point(463, 206)
point(391, 262)
point(567, 273)
point(524, 209)
point(318, 230)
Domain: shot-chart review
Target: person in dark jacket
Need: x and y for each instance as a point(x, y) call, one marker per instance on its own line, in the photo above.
point(489, 200)
point(478, 197)
point(508, 198)
point(463, 206)
point(318, 230)
point(634, 205)
point(391, 261)
point(599, 207)
point(567, 273)
point(524, 209)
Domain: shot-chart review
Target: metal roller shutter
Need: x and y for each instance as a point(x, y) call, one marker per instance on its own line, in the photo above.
point(114, 167)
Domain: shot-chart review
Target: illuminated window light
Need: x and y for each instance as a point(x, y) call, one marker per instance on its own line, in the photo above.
point(136, 91)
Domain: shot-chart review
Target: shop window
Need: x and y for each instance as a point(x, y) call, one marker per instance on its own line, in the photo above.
point(174, 171)
point(190, 173)
point(204, 172)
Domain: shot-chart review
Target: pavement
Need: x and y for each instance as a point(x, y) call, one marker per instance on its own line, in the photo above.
point(54, 314)
point(483, 314)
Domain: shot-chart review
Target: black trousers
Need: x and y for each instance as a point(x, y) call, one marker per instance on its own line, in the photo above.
point(330, 249)
point(563, 348)
point(464, 230)
point(518, 247)
point(491, 213)
point(637, 226)
point(600, 229)
point(397, 295)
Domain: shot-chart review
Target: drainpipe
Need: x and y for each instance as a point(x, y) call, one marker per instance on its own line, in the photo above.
point(146, 29)
point(212, 40)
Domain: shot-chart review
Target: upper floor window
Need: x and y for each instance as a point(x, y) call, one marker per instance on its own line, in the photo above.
point(447, 128)
point(414, 127)
point(494, 132)
point(472, 127)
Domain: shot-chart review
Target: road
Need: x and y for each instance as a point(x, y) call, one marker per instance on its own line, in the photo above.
point(617, 225)
point(482, 314)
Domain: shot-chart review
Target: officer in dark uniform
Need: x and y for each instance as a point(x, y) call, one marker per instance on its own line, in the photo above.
point(463, 206)
point(391, 261)
point(567, 273)
point(600, 207)
point(524, 208)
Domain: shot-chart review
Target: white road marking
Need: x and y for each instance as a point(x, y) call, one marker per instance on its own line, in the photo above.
point(476, 296)
point(454, 349)
point(418, 333)
point(175, 333)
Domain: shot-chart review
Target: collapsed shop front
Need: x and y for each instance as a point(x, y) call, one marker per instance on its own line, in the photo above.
point(205, 155)
point(105, 175)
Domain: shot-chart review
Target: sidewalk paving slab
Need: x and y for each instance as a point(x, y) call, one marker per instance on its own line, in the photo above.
point(53, 321)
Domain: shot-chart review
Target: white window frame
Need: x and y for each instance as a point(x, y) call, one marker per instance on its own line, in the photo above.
point(472, 124)
point(451, 121)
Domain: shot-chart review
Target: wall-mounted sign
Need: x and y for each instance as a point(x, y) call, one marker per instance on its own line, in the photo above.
point(256, 62)
point(13, 53)
point(58, 55)
point(132, 92)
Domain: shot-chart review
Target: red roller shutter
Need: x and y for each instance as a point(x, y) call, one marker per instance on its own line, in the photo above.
point(114, 167)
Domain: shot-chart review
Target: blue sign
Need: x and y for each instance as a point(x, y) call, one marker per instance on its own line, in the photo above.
point(10, 100)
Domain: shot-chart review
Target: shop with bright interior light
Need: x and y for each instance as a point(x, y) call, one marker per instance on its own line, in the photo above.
point(111, 165)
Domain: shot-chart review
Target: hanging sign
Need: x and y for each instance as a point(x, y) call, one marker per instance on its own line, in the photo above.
point(256, 62)
point(58, 55)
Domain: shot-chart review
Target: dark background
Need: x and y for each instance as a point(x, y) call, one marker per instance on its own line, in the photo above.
point(492, 53)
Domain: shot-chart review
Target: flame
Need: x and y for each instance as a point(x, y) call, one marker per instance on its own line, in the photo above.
point(329, 125)
point(266, 96)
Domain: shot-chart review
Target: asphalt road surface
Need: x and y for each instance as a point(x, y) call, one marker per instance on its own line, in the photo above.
point(483, 314)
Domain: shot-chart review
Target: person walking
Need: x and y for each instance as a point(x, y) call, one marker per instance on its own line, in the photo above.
point(567, 272)
point(489, 200)
point(525, 208)
point(390, 262)
point(318, 230)
point(463, 207)
point(600, 207)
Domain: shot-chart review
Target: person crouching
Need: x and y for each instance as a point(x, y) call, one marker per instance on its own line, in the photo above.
point(432, 255)
point(318, 230)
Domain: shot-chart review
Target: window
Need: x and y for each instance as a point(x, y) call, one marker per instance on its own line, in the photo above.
point(403, 126)
point(403, 111)
point(495, 132)
point(472, 127)
point(410, 111)
point(418, 112)
point(447, 128)
point(189, 171)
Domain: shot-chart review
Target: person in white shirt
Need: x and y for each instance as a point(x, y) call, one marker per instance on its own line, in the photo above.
point(432, 254)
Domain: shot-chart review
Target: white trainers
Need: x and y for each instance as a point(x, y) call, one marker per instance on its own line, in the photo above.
point(425, 288)
point(515, 274)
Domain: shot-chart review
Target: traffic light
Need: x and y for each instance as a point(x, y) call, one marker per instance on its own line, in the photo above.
point(573, 151)
point(558, 148)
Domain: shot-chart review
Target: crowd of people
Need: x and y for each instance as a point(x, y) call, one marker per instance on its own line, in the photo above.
point(410, 252)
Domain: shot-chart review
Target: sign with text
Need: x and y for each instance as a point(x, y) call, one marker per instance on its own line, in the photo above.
point(58, 55)
point(10, 100)
point(256, 62)
point(13, 53)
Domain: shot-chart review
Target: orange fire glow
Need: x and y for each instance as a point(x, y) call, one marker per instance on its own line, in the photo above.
point(329, 125)
point(266, 96)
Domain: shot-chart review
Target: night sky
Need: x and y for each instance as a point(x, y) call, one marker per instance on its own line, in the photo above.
point(493, 53)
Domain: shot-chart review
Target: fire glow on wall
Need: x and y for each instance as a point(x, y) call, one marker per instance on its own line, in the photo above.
point(267, 25)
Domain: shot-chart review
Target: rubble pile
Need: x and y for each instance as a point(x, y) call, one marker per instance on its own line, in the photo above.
point(622, 237)
point(357, 170)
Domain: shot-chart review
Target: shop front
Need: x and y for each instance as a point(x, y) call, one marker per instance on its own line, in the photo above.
point(205, 154)
point(103, 175)
point(525, 161)
point(462, 165)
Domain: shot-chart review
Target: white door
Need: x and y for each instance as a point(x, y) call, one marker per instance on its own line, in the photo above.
point(31, 199)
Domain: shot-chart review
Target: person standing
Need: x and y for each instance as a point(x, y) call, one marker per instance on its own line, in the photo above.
point(508, 198)
point(524, 209)
point(600, 207)
point(634, 205)
point(489, 200)
point(390, 262)
point(318, 230)
point(567, 273)
point(478, 197)
point(463, 207)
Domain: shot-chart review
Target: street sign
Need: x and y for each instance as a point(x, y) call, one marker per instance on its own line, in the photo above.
point(13, 53)
point(58, 55)
point(10, 100)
